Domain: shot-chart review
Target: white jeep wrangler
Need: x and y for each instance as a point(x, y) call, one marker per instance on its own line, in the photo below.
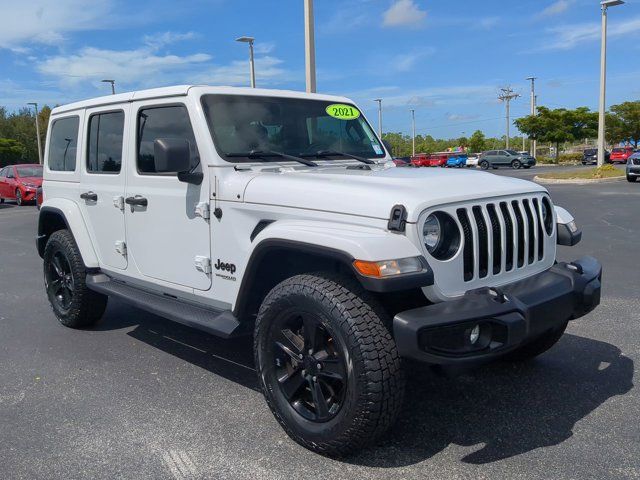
point(280, 214)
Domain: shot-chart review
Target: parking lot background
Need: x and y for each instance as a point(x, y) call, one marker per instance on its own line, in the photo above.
point(140, 397)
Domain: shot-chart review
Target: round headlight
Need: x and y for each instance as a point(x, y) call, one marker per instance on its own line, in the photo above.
point(432, 232)
point(547, 216)
point(441, 235)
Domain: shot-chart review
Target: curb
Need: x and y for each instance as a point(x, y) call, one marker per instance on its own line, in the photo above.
point(577, 181)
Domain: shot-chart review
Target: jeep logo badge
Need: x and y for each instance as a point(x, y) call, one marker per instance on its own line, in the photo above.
point(225, 267)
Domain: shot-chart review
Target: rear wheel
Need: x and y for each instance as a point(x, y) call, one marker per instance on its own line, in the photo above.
point(72, 302)
point(327, 364)
point(538, 346)
point(19, 200)
point(484, 165)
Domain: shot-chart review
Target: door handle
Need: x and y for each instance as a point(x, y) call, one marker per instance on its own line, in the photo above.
point(93, 197)
point(136, 201)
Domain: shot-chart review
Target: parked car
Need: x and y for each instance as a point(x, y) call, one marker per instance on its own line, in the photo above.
point(472, 160)
point(457, 160)
point(402, 161)
point(590, 156)
point(503, 158)
point(621, 154)
point(429, 159)
point(181, 202)
point(633, 167)
point(39, 197)
point(20, 182)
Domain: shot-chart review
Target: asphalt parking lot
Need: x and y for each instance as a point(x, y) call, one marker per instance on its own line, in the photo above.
point(140, 397)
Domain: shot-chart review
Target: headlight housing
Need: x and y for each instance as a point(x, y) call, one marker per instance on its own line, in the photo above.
point(441, 235)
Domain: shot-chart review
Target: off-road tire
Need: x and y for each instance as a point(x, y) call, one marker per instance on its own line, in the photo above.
point(484, 165)
point(86, 306)
point(375, 386)
point(516, 164)
point(536, 347)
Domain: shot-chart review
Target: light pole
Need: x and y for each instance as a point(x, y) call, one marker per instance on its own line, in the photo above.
point(413, 132)
point(603, 77)
point(113, 85)
point(379, 100)
point(37, 132)
point(252, 68)
point(309, 47)
point(533, 112)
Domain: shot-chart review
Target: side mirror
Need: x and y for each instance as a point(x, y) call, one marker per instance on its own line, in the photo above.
point(387, 145)
point(174, 155)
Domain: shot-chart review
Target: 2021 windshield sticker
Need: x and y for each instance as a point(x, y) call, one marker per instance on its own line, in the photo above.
point(342, 111)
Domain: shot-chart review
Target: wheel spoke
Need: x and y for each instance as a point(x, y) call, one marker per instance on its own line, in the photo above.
point(319, 400)
point(333, 368)
point(57, 267)
point(311, 327)
point(66, 296)
point(55, 285)
point(289, 343)
point(291, 383)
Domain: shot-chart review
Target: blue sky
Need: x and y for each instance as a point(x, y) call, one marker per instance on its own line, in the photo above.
point(447, 59)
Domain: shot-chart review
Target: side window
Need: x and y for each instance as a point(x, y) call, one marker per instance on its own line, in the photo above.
point(163, 122)
point(3, 172)
point(104, 152)
point(63, 144)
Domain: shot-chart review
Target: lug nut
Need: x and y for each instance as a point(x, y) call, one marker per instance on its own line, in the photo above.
point(319, 366)
point(304, 372)
point(300, 356)
point(314, 378)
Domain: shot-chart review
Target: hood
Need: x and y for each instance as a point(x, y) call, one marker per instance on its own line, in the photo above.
point(372, 193)
point(33, 180)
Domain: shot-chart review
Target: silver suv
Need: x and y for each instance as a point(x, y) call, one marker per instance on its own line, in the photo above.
point(498, 158)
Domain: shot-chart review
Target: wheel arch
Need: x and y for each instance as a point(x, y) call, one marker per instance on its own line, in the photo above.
point(59, 214)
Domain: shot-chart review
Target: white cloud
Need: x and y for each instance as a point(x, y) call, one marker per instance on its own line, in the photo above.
point(159, 40)
point(142, 65)
point(47, 22)
point(406, 62)
point(269, 71)
point(404, 13)
point(450, 94)
point(556, 8)
point(569, 36)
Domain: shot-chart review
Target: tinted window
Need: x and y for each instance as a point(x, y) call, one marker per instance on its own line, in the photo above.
point(163, 122)
point(34, 171)
point(590, 151)
point(63, 144)
point(491, 152)
point(105, 142)
point(3, 172)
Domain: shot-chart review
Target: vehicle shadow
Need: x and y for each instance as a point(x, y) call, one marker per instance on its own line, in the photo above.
point(506, 409)
point(7, 205)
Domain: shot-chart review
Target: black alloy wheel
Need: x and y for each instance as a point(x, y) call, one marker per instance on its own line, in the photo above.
point(59, 281)
point(310, 370)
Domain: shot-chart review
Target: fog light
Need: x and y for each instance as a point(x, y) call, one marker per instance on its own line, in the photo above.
point(474, 335)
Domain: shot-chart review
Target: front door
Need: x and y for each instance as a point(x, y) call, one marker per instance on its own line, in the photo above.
point(167, 239)
point(102, 181)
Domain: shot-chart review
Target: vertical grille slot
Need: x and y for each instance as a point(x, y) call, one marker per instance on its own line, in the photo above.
point(508, 226)
point(520, 224)
point(497, 238)
point(536, 206)
point(532, 232)
point(467, 254)
point(483, 244)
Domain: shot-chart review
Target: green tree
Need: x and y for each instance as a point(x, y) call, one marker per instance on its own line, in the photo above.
point(477, 142)
point(11, 151)
point(559, 125)
point(623, 124)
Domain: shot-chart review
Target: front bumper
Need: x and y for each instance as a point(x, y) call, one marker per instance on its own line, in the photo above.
point(633, 171)
point(512, 315)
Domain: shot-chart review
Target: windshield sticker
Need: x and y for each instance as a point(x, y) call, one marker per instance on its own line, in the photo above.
point(376, 148)
point(342, 111)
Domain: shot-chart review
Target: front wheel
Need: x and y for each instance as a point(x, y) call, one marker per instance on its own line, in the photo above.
point(516, 164)
point(327, 364)
point(631, 179)
point(538, 346)
point(19, 200)
point(484, 165)
point(72, 302)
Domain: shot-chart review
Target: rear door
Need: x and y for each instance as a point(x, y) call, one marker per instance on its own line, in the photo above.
point(168, 238)
point(102, 182)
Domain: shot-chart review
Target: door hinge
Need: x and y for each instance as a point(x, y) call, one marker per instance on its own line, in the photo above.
point(203, 210)
point(203, 264)
point(118, 202)
point(121, 247)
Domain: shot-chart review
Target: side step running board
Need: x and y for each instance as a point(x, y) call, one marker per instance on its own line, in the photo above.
point(217, 322)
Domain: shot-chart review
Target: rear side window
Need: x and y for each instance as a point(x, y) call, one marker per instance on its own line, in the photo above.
point(63, 144)
point(104, 153)
point(163, 122)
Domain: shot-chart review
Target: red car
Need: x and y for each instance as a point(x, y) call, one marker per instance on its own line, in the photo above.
point(430, 159)
point(20, 182)
point(620, 154)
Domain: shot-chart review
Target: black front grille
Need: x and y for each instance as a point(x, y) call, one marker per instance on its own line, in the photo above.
point(467, 254)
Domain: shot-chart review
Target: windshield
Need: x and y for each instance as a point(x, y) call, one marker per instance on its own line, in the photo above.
point(241, 124)
point(34, 171)
point(620, 150)
point(590, 151)
point(512, 152)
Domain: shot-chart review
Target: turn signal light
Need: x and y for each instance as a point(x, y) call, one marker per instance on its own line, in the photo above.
point(388, 268)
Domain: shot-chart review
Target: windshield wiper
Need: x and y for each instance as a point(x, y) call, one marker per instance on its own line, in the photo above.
point(270, 153)
point(332, 153)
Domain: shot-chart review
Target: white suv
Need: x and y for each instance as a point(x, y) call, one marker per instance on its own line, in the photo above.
point(280, 214)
